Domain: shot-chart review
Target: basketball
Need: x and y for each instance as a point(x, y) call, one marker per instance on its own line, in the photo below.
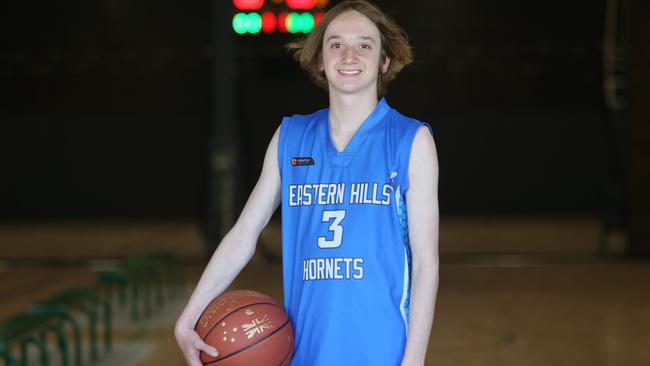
point(247, 328)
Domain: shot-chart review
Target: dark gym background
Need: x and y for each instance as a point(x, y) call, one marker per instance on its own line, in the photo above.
point(106, 106)
point(107, 111)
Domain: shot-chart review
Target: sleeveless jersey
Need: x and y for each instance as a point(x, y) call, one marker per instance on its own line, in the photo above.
point(346, 255)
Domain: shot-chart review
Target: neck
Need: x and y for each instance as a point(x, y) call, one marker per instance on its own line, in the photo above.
point(347, 112)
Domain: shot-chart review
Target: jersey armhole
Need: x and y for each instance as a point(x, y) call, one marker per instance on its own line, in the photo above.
point(282, 139)
point(407, 158)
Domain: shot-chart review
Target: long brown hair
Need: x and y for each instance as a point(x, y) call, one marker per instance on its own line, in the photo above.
point(394, 44)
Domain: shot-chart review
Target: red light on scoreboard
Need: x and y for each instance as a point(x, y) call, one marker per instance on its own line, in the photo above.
point(248, 4)
point(269, 22)
point(317, 17)
point(282, 22)
point(301, 4)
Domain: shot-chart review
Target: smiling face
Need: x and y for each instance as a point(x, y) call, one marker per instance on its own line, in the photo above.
point(351, 54)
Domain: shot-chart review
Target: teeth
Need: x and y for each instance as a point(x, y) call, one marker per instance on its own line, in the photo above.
point(350, 72)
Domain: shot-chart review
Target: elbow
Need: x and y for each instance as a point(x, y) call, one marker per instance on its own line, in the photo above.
point(241, 244)
point(426, 272)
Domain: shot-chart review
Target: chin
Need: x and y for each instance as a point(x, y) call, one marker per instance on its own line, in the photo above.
point(350, 87)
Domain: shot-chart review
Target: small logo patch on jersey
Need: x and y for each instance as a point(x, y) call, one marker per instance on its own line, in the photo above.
point(302, 161)
point(391, 177)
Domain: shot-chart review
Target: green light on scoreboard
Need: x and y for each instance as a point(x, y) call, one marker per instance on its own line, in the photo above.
point(300, 22)
point(268, 22)
point(247, 23)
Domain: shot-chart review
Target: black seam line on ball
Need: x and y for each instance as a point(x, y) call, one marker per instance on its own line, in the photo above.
point(249, 346)
point(288, 356)
point(231, 312)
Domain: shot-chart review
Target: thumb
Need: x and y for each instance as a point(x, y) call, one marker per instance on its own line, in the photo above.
point(200, 345)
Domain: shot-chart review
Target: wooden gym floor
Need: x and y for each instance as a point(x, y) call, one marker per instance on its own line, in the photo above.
point(515, 304)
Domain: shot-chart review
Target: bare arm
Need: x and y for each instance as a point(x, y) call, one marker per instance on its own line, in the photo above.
point(233, 253)
point(422, 210)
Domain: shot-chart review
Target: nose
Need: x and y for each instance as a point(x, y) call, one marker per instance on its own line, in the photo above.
point(348, 54)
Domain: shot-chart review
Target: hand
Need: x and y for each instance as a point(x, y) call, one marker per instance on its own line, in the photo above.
point(191, 344)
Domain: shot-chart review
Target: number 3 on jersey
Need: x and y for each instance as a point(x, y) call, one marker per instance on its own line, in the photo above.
point(335, 227)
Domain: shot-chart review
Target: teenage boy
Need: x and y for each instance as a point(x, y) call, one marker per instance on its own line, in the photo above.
point(358, 187)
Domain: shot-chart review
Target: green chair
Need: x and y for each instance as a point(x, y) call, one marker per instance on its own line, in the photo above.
point(26, 329)
point(87, 301)
point(144, 277)
point(9, 359)
point(173, 274)
point(109, 280)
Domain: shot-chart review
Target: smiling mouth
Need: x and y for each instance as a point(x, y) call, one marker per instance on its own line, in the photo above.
point(349, 72)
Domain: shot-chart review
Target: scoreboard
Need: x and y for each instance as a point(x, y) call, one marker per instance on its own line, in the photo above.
point(283, 16)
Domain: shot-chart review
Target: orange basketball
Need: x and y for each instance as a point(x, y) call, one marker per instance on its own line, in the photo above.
point(247, 328)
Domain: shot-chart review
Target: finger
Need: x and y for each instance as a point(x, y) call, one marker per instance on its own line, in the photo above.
point(200, 345)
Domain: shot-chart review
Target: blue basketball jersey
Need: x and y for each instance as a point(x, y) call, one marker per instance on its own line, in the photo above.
point(346, 255)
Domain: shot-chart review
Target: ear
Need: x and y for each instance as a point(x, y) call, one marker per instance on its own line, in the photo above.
point(383, 67)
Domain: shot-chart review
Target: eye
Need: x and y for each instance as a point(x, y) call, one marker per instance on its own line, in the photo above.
point(335, 45)
point(365, 46)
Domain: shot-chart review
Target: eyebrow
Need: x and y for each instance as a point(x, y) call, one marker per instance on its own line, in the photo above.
point(365, 38)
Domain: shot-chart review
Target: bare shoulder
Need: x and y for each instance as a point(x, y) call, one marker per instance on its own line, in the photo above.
point(271, 157)
point(274, 140)
point(424, 157)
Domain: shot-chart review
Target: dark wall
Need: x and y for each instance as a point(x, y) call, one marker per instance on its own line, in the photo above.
point(514, 91)
point(638, 152)
point(104, 106)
